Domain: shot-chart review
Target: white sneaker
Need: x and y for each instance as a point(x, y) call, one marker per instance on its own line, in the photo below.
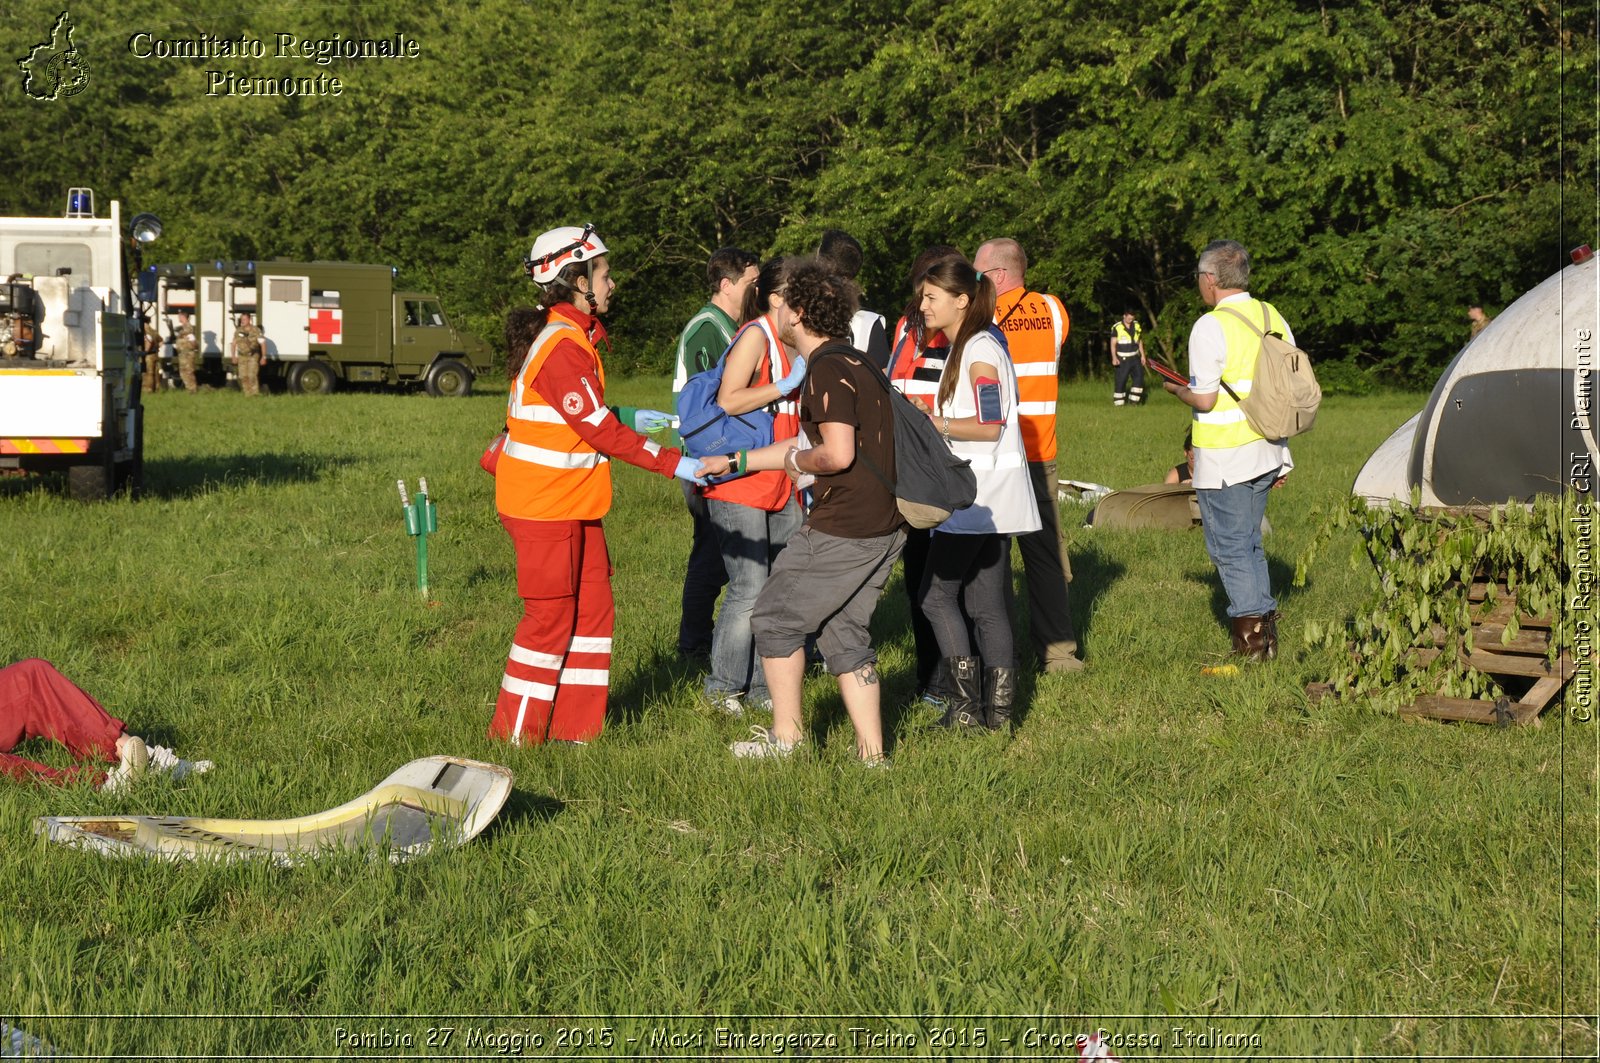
point(165, 760)
point(729, 705)
point(133, 757)
point(762, 744)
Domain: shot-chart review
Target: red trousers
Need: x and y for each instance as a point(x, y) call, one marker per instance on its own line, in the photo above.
point(36, 701)
point(560, 664)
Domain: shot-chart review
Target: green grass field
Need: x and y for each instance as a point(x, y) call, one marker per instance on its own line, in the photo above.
point(1211, 867)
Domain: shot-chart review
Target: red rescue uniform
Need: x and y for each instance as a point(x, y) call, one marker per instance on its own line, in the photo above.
point(37, 701)
point(552, 487)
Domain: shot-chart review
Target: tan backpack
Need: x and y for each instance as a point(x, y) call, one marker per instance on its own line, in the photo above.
point(1284, 393)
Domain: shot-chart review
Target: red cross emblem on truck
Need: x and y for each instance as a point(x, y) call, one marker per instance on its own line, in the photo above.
point(325, 326)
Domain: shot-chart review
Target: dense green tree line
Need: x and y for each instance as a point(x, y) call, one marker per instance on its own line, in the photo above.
point(1387, 161)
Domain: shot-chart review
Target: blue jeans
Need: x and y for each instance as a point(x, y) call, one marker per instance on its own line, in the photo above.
point(1231, 518)
point(750, 539)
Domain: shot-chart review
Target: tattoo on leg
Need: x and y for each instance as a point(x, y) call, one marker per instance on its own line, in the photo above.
point(866, 675)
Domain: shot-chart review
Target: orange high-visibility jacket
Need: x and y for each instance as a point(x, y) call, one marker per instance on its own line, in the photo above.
point(547, 471)
point(1036, 326)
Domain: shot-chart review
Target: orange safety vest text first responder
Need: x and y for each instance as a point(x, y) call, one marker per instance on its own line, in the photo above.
point(1036, 326)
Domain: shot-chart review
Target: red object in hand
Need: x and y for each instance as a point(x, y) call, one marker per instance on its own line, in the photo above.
point(491, 454)
point(1168, 374)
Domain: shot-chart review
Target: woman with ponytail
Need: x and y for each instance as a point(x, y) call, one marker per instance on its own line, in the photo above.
point(552, 486)
point(964, 584)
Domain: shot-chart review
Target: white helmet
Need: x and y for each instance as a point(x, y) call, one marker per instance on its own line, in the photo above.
point(555, 250)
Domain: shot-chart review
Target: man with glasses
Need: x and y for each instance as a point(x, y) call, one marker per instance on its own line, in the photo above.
point(1035, 327)
point(1234, 467)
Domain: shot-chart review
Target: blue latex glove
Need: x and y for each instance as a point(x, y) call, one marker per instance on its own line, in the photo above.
point(686, 468)
point(650, 420)
point(794, 376)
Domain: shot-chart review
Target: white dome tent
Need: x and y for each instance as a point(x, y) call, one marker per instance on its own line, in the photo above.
point(1513, 415)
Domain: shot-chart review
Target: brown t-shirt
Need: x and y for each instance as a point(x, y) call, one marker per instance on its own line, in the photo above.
point(841, 385)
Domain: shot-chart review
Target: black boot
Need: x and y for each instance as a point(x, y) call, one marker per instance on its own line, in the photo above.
point(964, 708)
point(999, 695)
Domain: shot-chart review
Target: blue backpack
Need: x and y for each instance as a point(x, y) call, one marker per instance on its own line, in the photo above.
point(707, 429)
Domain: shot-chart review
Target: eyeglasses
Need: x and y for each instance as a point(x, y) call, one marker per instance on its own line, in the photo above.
point(1203, 273)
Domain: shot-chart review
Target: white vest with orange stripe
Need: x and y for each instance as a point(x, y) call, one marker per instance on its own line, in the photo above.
point(547, 471)
point(1036, 326)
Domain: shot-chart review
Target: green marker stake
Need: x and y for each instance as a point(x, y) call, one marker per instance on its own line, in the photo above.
point(422, 518)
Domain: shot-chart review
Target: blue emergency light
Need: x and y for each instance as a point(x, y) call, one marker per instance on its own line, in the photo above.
point(80, 202)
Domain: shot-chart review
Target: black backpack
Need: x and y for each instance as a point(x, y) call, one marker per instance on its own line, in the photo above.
point(930, 482)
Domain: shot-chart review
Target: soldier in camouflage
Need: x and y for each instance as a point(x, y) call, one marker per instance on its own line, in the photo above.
point(249, 354)
point(152, 357)
point(188, 348)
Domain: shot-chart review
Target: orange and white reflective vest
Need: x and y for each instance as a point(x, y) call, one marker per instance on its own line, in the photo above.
point(770, 490)
point(1036, 326)
point(547, 471)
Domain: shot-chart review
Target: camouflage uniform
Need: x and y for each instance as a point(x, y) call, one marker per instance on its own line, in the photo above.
point(152, 357)
point(188, 348)
point(250, 352)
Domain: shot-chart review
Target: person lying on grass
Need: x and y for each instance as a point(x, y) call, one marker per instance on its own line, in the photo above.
point(37, 701)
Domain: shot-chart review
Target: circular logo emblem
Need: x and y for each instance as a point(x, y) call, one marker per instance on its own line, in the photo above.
point(68, 74)
point(573, 403)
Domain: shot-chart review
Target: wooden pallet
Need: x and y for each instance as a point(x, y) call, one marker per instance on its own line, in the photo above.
point(1522, 667)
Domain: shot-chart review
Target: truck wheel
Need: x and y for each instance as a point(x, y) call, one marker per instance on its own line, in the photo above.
point(89, 483)
point(313, 377)
point(448, 379)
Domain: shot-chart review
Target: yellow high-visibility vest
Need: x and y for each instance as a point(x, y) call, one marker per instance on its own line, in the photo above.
point(1224, 424)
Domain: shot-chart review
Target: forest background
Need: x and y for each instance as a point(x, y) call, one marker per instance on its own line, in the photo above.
point(1388, 162)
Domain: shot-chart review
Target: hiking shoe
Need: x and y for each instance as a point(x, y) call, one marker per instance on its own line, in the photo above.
point(133, 759)
point(761, 744)
point(163, 759)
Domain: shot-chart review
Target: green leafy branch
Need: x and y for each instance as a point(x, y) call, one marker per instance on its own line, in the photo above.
point(1414, 634)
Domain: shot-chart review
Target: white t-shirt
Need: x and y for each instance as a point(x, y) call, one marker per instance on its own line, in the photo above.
point(861, 328)
point(1221, 467)
point(1005, 503)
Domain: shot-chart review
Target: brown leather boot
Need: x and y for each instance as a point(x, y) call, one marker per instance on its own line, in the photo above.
point(1250, 638)
point(1269, 635)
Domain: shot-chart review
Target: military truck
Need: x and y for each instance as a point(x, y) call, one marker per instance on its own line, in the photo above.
point(324, 322)
point(70, 347)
